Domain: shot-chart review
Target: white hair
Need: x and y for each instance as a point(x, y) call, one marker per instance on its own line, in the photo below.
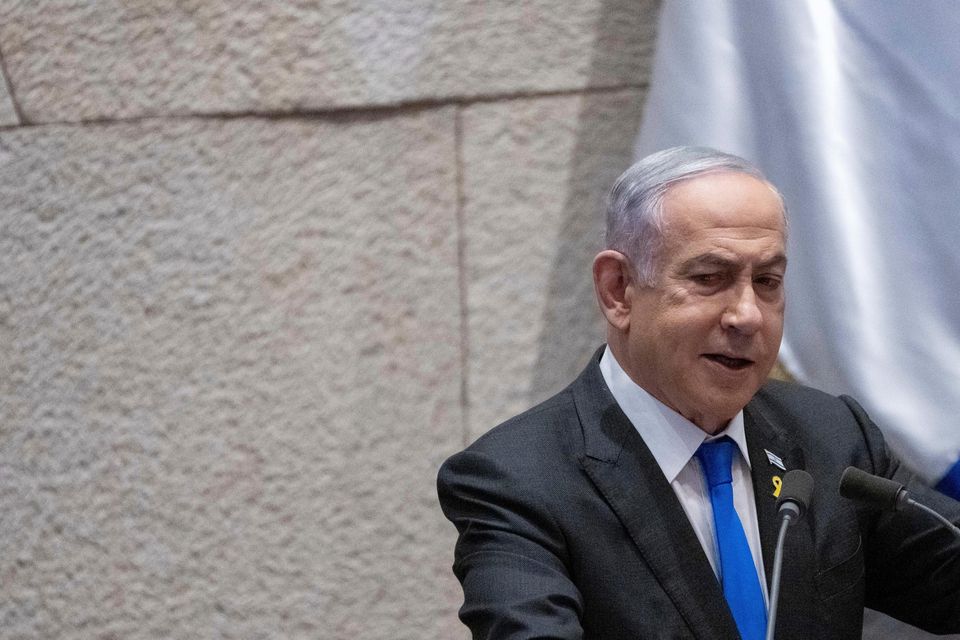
point(635, 204)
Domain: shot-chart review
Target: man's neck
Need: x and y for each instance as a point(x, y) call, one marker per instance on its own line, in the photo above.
point(710, 425)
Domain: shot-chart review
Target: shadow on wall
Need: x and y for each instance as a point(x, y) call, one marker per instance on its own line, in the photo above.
point(572, 327)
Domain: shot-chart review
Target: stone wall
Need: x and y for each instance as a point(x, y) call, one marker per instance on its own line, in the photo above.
point(263, 266)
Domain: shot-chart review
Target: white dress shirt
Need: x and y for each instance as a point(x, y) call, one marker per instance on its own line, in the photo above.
point(673, 440)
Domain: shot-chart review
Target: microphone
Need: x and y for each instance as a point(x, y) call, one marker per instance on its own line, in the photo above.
point(796, 492)
point(884, 494)
point(880, 493)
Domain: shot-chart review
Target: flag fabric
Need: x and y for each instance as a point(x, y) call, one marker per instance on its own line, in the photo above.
point(853, 110)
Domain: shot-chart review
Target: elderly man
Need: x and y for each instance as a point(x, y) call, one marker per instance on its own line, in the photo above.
point(640, 502)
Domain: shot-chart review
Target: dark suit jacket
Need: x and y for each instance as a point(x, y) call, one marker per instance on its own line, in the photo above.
point(569, 529)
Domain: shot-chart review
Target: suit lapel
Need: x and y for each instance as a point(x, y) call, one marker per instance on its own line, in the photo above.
point(763, 438)
point(627, 475)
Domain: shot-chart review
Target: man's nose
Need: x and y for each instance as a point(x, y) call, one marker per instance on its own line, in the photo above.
point(742, 313)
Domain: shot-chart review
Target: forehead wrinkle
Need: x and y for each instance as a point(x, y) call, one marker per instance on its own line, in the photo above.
point(714, 259)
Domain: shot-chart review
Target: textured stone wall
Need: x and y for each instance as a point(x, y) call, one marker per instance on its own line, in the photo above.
point(263, 266)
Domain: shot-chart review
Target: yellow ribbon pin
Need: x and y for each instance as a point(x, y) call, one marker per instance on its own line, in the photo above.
point(777, 483)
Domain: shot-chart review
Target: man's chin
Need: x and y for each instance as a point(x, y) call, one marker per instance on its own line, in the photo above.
point(722, 404)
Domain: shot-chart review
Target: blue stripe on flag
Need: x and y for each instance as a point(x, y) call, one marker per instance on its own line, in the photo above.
point(950, 483)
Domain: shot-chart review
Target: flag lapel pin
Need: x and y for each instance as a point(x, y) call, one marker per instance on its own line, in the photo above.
point(775, 460)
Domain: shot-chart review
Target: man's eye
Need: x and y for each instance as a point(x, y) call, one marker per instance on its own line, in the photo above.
point(707, 279)
point(769, 282)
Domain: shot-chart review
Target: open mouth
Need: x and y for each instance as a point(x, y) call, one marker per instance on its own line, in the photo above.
point(735, 364)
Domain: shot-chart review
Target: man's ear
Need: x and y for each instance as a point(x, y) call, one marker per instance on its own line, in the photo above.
point(612, 276)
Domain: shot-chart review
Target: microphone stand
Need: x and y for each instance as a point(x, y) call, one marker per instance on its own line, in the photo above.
point(777, 569)
point(795, 495)
point(953, 528)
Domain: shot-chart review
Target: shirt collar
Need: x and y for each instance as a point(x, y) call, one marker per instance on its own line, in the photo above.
point(671, 438)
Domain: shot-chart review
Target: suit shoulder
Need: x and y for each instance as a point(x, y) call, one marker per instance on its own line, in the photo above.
point(812, 408)
point(531, 445)
point(791, 392)
point(519, 460)
point(535, 427)
point(541, 445)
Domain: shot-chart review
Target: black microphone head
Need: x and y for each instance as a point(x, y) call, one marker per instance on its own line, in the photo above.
point(797, 489)
point(881, 493)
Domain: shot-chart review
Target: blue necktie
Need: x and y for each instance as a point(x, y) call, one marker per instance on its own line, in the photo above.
point(741, 587)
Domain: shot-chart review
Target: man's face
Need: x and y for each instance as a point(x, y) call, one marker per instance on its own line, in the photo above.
point(704, 338)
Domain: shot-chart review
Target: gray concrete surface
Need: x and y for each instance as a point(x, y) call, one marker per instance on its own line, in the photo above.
point(114, 59)
point(231, 369)
point(533, 169)
point(8, 114)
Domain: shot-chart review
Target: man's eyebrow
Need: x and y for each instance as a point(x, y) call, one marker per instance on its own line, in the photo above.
point(707, 260)
point(779, 260)
point(715, 260)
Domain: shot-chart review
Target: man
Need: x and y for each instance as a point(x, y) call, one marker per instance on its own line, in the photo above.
point(600, 513)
